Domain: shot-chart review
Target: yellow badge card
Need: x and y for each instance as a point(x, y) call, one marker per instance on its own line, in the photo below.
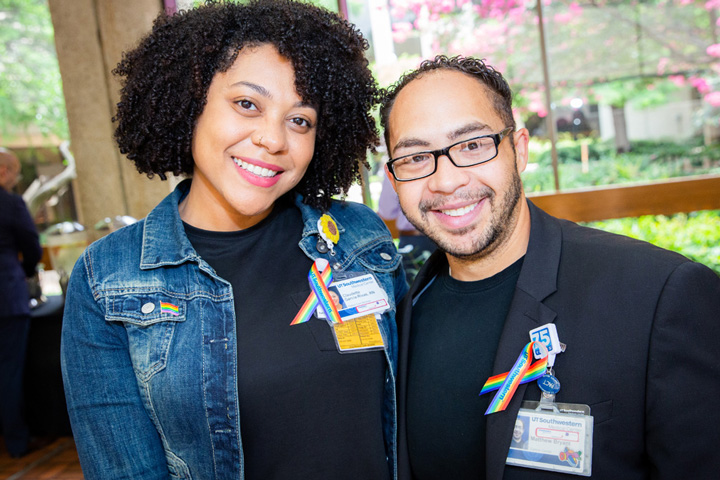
point(358, 335)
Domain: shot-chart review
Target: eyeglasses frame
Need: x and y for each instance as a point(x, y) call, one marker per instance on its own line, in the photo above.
point(497, 138)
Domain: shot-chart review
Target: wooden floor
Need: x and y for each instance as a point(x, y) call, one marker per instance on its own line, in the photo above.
point(56, 461)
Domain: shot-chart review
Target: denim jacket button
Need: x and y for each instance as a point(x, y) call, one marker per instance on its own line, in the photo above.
point(148, 308)
point(386, 256)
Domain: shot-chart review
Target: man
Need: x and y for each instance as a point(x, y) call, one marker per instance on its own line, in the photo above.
point(18, 237)
point(518, 431)
point(640, 324)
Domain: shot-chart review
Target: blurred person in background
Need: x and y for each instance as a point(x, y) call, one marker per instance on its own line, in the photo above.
point(20, 252)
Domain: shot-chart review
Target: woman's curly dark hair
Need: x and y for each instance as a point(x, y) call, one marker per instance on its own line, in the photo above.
point(166, 80)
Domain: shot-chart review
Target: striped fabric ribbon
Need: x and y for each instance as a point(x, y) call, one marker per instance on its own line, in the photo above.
point(507, 383)
point(323, 295)
point(308, 308)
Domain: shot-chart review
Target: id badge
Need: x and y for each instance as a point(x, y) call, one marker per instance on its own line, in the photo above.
point(553, 436)
point(356, 297)
point(360, 334)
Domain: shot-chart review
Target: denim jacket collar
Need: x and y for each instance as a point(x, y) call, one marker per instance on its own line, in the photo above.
point(164, 241)
point(311, 217)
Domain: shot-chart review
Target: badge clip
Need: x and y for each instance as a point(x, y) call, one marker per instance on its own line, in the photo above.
point(329, 234)
point(547, 336)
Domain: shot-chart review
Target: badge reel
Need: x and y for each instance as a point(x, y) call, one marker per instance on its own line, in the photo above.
point(549, 384)
point(548, 435)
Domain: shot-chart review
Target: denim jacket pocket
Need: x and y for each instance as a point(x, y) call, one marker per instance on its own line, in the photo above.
point(150, 320)
point(176, 467)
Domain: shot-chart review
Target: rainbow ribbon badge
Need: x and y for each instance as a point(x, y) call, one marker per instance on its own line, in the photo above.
point(169, 308)
point(522, 372)
point(319, 296)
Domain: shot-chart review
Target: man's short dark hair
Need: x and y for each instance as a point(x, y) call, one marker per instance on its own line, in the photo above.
point(166, 79)
point(476, 68)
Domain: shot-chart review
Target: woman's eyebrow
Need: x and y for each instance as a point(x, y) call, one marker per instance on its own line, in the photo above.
point(258, 88)
point(266, 93)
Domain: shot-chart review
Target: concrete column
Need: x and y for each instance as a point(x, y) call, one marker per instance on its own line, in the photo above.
point(90, 36)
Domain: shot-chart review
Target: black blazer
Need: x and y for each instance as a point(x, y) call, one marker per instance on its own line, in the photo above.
point(642, 328)
point(17, 236)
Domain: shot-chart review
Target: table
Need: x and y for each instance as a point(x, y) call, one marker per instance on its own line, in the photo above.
point(45, 408)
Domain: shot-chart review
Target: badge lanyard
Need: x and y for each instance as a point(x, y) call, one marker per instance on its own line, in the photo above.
point(320, 275)
point(547, 435)
point(351, 304)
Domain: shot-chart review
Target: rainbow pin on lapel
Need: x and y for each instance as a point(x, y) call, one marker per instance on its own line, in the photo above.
point(169, 308)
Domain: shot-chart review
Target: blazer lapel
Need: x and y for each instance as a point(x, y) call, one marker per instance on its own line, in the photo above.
point(538, 280)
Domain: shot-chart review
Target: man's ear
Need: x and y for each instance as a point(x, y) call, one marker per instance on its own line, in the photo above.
point(391, 178)
point(521, 137)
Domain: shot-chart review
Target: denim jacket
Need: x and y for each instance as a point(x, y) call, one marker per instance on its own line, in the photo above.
point(153, 394)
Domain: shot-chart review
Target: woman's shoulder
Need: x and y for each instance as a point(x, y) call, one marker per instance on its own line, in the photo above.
point(349, 211)
point(125, 242)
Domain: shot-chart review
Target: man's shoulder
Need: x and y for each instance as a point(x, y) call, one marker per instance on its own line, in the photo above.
point(585, 240)
point(617, 260)
point(592, 242)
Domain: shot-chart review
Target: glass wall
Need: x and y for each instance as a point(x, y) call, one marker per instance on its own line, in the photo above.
point(634, 86)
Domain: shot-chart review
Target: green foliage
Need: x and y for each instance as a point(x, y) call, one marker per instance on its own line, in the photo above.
point(643, 92)
point(647, 160)
point(30, 84)
point(695, 235)
point(569, 151)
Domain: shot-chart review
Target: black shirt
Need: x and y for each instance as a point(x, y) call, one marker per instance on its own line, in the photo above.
point(306, 411)
point(456, 328)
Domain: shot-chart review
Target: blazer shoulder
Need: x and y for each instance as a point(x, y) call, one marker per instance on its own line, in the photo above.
point(598, 247)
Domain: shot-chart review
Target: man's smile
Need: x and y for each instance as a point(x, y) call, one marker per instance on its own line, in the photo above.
point(459, 212)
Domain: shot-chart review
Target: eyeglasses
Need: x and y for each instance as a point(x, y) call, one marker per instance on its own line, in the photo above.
point(467, 153)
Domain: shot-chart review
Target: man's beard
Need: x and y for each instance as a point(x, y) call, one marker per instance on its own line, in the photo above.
point(501, 223)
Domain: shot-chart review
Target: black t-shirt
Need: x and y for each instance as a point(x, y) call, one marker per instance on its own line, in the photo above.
point(456, 328)
point(306, 411)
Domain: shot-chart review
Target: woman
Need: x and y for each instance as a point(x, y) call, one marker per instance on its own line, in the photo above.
point(179, 359)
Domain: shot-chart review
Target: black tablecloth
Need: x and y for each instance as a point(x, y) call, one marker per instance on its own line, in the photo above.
point(45, 408)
